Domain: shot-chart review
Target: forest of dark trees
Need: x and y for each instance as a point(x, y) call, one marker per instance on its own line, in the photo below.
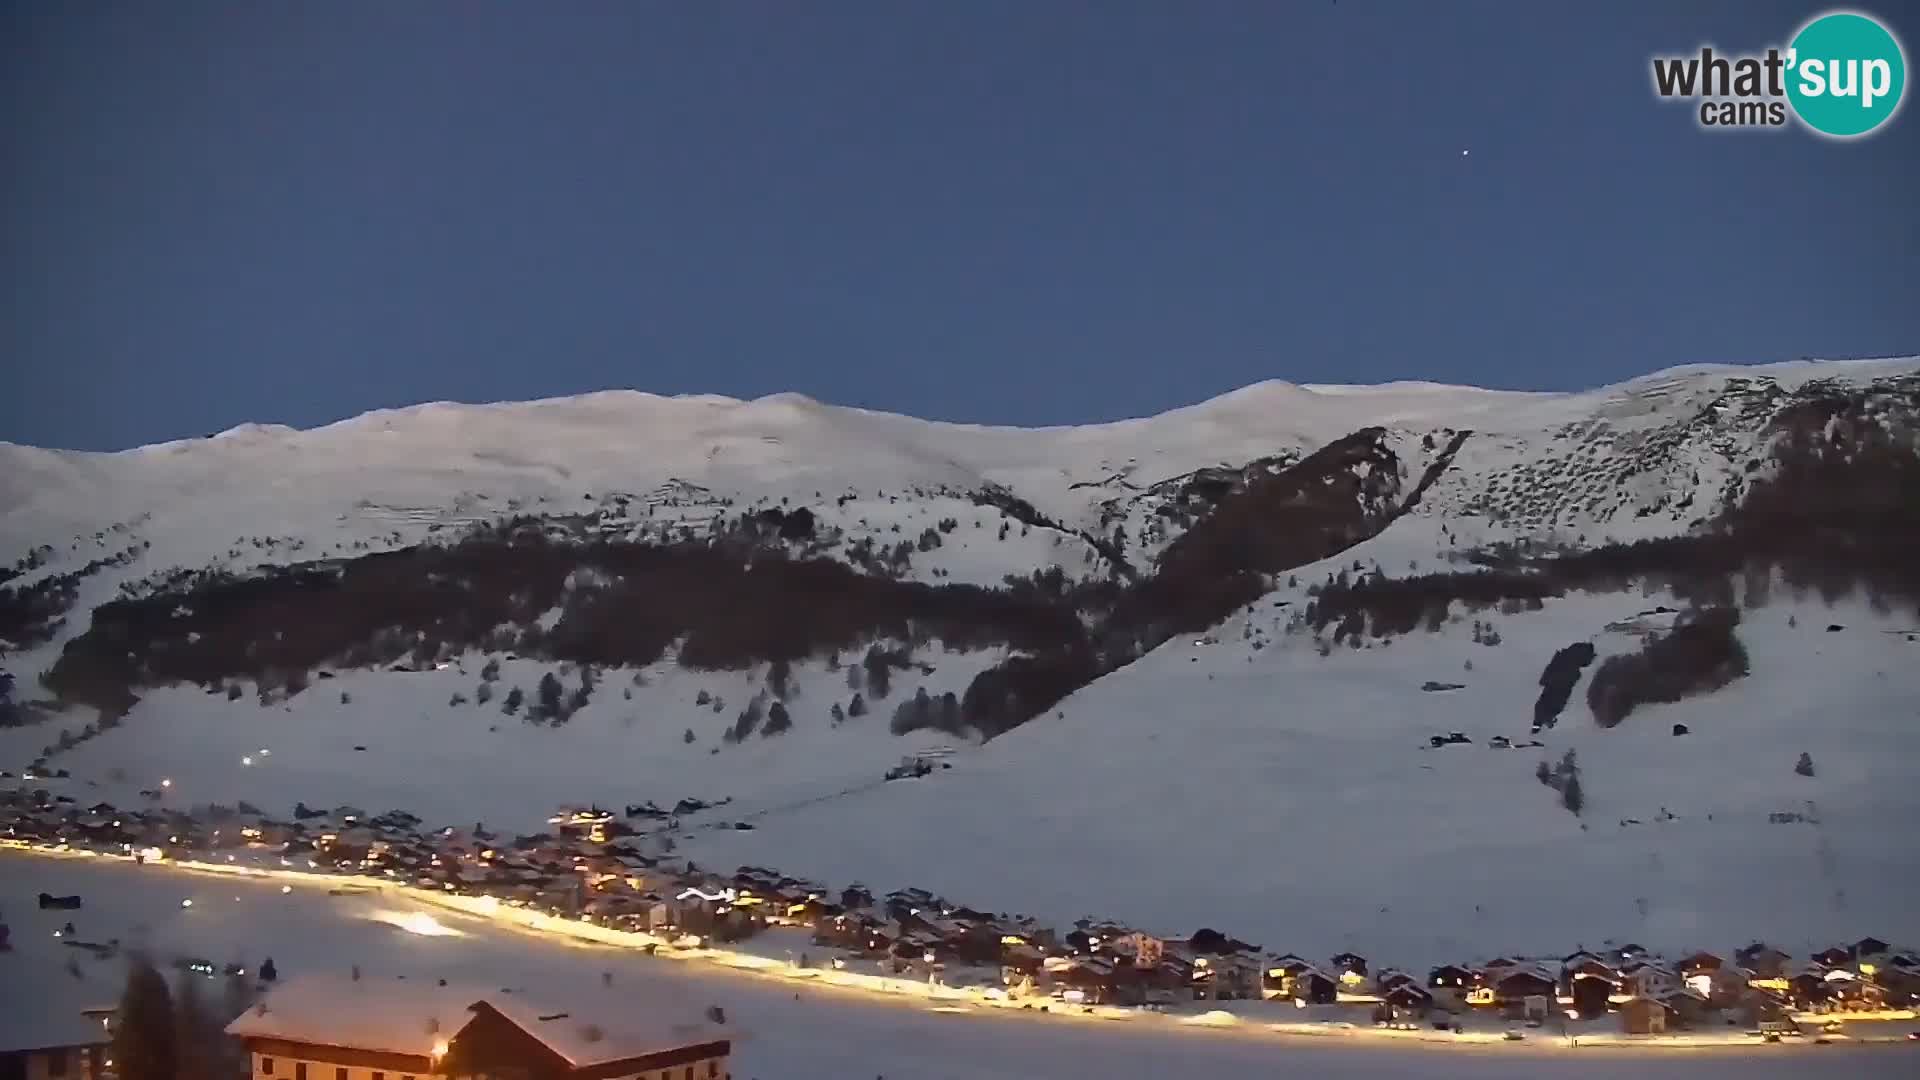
point(1701, 654)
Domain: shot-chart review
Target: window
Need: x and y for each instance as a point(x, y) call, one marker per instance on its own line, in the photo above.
point(266, 1066)
point(299, 1070)
point(340, 1074)
point(57, 1062)
point(379, 1076)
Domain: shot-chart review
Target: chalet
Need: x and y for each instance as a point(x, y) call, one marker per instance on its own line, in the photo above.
point(1588, 965)
point(316, 1027)
point(1516, 984)
point(1869, 947)
point(49, 1035)
point(1493, 969)
point(1409, 999)
point(910, 902)
point(1699, 963)
point(1833, 958)
point(1224, 978)
point(1351, 965)
point(1765, 961)
point(1646, 979)
point(858, 932)
point(1901, 985)
point(1018, 956)
point(1849, 990)
point(1722, 986)
point(1685, 1007)
point(1277, 980)
point(1314, 987)
point(1088, 980)
point(1451, 976)
point(1590, 994)
point(1809, 989)
point(856, 898)
point(1643, 1016)
point(1761, 1008)
point(1390, 978)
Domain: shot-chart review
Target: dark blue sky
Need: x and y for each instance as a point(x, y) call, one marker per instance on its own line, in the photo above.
point(1030, 211)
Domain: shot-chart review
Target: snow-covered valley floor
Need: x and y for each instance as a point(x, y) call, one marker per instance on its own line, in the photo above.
point(822, 1033)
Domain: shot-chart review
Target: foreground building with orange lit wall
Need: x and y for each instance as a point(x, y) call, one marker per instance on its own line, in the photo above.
point(330, 1028)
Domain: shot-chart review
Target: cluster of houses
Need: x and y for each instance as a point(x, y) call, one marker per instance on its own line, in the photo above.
point(1759, 985)
point(594, 865)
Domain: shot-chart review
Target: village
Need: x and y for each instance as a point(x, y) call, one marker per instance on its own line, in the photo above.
point(617, 873)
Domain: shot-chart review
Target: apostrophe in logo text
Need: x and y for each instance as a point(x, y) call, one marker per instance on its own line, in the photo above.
point(1843, 75)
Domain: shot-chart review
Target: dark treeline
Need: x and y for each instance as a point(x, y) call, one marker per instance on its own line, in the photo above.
point(1701, 654)
point(618, 603)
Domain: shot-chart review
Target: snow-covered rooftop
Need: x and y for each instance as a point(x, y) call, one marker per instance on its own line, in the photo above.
point(409, 1016)
point(53, 995)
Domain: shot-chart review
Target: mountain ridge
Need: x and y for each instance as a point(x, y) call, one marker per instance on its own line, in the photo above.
point(1853, 367)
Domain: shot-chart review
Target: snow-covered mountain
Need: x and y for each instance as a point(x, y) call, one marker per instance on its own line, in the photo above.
point(1185, 669)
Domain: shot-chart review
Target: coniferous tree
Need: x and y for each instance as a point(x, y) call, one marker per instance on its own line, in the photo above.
point(1571, 796)
point(143, 1041)
point(550, 691)
point(197, 1035)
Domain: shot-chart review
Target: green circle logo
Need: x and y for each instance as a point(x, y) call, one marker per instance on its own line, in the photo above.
point(1846, 74)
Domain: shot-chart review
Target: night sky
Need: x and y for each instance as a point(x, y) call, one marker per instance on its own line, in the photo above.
point(1034, 211)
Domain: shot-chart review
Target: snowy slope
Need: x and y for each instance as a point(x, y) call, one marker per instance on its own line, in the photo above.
point(1294, 801)
point(1249, 782)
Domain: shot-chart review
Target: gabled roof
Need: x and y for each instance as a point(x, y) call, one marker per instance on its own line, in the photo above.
point(54, 1012)
point(395, 1016)
point(1532, 971)
point(586, 1026)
